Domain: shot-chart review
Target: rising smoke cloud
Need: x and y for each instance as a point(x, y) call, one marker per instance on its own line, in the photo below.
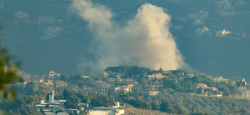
point(143, 41)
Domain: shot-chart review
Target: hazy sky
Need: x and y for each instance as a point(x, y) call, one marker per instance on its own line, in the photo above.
point(145, 40)
point(62, 36)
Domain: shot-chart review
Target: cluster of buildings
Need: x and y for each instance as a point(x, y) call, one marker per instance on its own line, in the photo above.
point(53, 107)
point(244, 88)
point(57, 107)
point(105, 88)
point(46, 83)
point(51, 81)
point(152, 87)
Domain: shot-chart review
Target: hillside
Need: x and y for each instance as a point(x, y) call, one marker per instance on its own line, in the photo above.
point(136, 111)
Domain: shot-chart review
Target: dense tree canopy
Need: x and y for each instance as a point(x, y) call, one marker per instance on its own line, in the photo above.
point(129, 71)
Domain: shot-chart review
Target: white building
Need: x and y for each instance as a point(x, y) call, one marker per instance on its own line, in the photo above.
point(53, 106)
point(122, 89)
point(51, 97)
point(84, 77)
point(105, 111)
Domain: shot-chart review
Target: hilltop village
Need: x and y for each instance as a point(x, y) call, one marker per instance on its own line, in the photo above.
point(118, 87)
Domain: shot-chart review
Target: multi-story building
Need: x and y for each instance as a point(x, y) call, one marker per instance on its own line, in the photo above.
point(102, 87)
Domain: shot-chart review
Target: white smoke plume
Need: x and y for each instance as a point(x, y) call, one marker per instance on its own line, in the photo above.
point(143, 41)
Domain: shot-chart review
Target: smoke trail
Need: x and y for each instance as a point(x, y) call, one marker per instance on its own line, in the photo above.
point(143, 41)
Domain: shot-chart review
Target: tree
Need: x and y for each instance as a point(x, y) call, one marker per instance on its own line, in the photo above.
point(142, 81)
point(155, 106)
point(8, 73)
point(32, 87)
point(164, 106)
point(243, 111)
point(72, 99)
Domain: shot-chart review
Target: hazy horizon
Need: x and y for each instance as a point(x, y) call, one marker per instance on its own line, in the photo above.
point(59, 35)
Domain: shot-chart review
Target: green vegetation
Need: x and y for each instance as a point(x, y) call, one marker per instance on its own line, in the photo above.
point(179, 93)
point(21, 106)
point(170, 101)
point(130, 71)
point(189, 85)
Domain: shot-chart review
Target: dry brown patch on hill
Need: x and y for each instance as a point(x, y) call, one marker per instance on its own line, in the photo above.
point(137, 111)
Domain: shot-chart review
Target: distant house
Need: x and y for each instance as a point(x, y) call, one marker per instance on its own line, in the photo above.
point(122, 89)
point(152, 92)
point(84, 77)
point(105, 74)
point(38, 79)
point(52, 75)
point(127, 88)
point(83, 106)
point(191, 75)
point(154, 76)
point(202, 85)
